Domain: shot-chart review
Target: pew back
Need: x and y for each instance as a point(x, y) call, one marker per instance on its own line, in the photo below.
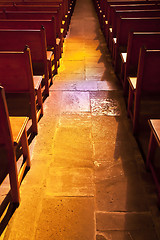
point(30, 15)
point(126, 25)
point(14, 40)
point(148, 76)
point(132, 14)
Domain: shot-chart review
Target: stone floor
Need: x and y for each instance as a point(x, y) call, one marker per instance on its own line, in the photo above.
point(87, 180)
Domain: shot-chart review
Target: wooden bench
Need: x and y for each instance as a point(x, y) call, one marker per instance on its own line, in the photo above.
point(145, 85)
point(23, 90)
point(53, 43)
point(126, 25)
point(127, 6)
point(129, 65)
point(14, 39)
point(103, 9)
point(66, 5)
point(13, 134)
point(35, 15)
point(128, 14)
point(49, 8)
point(35, 7)
point(38, 15)
point(154, 143)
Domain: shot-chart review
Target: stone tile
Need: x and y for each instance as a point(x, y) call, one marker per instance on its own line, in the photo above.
point(104, 128)
point(98, 72)
point(66, 219)
point(86, 86)
point(75, 40)
point(74, 55)
point(51, 105)
point(93, 78)
point(91, 43)
point(92, 52)
point(106, 86)
point(72, 45)
point(68, 78)
point(93, 60)
point(124, 221)
point(141, 234)
point(73, 135)
point(69, 182)
point(108, 107)
point(75, 120)
point(72, 150)
point(63, 86)
point(114, 235)
point(127, 235)
point(90, 63)
point(24, 221)
point(117, 193)
point(72, 67)
point(73, 102)
point(115, 150)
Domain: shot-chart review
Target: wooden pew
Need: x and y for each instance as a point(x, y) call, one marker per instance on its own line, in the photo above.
point(23, 90)
point(145, 85)
point(124, 26)
point(112, 13)
point(67, 6)
point(127, 6)
point(151, 40)
point(128, 14)
point(65, 16)
point(49, 8)
point(49, 25)
point(13, 40)
point(13, 134)
point(154, 143)
point(35, 15)
point(103, 9)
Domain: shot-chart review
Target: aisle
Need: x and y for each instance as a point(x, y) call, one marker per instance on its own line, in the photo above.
point(87, 180)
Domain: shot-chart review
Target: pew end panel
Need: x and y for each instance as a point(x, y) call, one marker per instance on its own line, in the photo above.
point(13, 134)
point(145, 86)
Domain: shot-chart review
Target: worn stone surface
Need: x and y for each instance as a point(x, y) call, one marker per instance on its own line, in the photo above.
point(87, 179)
point(126, 235)
point(66, 219)
point(124, 221)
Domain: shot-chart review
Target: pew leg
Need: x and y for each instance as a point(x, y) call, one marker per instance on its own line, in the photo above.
point(151, 150)
point(149, 166)
point(130, 102)
point(25, 148)
point(136, 114)
point(26, 164)
point(13, 176)
point(34, 117)
point(39, 99)
point(50, 71)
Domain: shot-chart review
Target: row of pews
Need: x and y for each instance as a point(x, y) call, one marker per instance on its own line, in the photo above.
point(31, 46)
point(132, 32)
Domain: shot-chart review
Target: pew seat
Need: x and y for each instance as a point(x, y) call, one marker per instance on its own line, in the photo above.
point(144, 86)
point(154, 143)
